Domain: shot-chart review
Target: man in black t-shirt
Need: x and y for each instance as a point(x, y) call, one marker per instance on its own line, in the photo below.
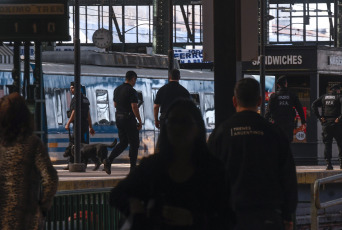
point(168, 94)
point(127, 111)
point(260, 170)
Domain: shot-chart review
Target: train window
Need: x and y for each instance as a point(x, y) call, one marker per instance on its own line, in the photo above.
point(58, 106)
point(196, 99)
point(209, 109)
point(141, 106)
point(102, 105)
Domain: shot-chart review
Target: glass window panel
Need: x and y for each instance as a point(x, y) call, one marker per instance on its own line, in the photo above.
point(102, 106)
point(93, 21)
point(105, 17)
point(311, 34)
point(323, 28)
point(141, 106)
point(181, 32)
point(284, 25)
point(118, 15)
point(151, 21)
point(130, 24)
point(143, 24)
point(58, 104)
point(272, 24)
point(71, 24)
point(209, 109)
point(83, 25)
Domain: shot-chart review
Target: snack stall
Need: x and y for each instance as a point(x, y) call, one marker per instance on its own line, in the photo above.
point(310, 71)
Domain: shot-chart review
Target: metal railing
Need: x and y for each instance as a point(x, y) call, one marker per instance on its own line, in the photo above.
point(82, 210)
point(316, 203)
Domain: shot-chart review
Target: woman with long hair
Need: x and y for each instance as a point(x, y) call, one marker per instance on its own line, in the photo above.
point(181, 186)
point(28, 181)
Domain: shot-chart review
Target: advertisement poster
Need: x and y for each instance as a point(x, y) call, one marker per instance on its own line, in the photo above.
point(299, 133)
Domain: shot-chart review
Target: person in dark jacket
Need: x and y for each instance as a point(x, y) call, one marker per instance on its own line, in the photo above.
point(180, 187)
point(331, 122)
point(260, 169)
point(280, 109)
point(127, 112)
point(168, 94)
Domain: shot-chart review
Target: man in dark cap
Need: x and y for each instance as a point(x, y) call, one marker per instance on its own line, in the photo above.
point(281, 106)
point(331, 121)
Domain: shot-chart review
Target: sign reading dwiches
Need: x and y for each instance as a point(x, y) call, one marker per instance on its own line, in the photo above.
point(281, 60)
point(34, 20)
point(188, 55)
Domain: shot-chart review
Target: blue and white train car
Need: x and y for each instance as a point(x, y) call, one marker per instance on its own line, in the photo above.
point(99, 84)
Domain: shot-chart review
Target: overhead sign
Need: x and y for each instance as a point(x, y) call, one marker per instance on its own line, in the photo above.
point(188, 55)
point(285, 58)
point(34, 20)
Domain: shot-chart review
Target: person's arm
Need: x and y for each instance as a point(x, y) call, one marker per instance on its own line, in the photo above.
point(91, 130)
point(317, 103)
point(155, 112)
point(137, 114)
point(49, 178)
point(339, 117)
point(71, 119)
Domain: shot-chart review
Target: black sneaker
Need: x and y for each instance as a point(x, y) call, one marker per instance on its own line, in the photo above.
point(329, 166)
point(107, 167)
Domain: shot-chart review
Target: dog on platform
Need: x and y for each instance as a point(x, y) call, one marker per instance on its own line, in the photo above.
point(96, 152)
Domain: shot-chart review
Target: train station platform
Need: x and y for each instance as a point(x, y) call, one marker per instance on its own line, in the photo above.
point(99, 179)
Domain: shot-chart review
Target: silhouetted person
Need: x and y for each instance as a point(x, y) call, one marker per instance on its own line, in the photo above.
point(168, 94)
point(281, 106)
point(127, 111)
point(182, 185)
point(28, 181)
point(260, 170)
point(331, 122)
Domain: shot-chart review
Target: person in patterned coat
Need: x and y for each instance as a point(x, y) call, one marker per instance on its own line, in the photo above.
point(28, 180)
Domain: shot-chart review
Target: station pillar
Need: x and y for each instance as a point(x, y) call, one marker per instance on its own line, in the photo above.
point(225, 58)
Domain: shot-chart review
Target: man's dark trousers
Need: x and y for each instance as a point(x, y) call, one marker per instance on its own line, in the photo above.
point(128, 134)
point(332, 130)
point(287, 127)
